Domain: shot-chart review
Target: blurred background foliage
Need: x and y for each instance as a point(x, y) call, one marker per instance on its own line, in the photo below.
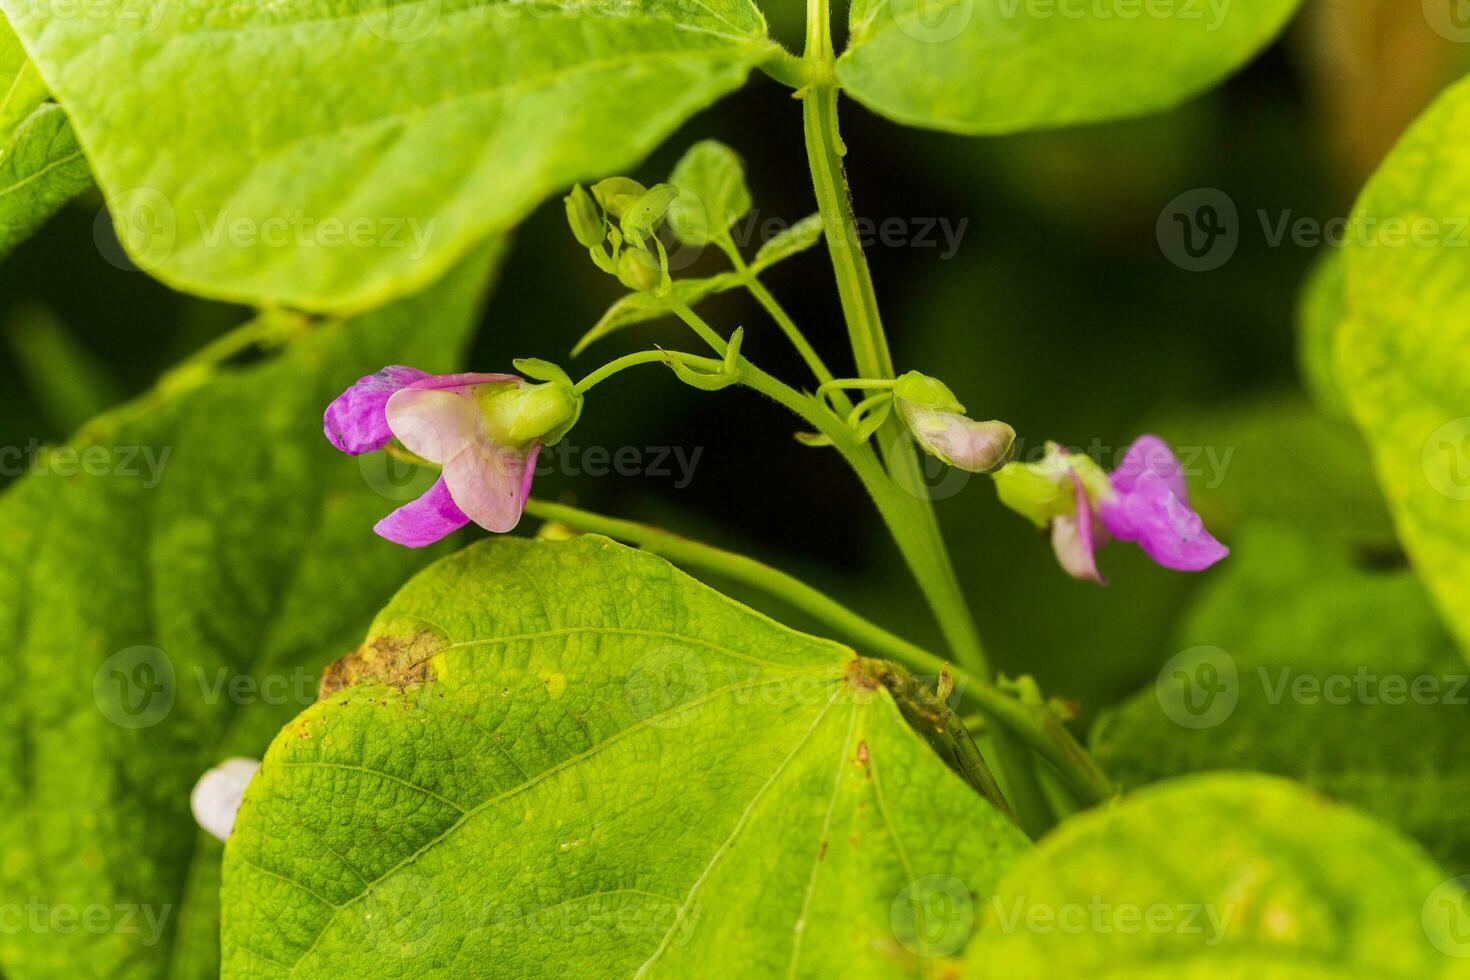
point(1058, 313)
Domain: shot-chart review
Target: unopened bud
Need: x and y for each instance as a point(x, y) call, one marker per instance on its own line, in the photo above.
point(584, 219)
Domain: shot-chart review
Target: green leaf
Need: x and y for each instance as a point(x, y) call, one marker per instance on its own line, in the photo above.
point(1338, 677)
point(170, 582)
point(19, 80)
point(789, 241)
point(712, 192)
point(1319, 312)
point(328, 156)
point(40, 170)
point(1223, 876)
point(1001, 66)
point(570, 759)
point(1403, 353)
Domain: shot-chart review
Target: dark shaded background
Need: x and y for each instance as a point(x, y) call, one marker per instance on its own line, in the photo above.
point(1060, 313)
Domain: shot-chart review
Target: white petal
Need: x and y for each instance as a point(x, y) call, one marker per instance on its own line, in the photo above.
point(216, 797)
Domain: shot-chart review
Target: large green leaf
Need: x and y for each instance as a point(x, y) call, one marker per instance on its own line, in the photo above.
point(328, 154)
point(570, 759)
point(1224, 877)
point(1342, 678)
point(1000, 66)
point(1403, 354)
point(170, 582)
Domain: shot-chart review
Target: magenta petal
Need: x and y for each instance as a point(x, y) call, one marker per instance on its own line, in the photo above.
point(425, 520)
point(1149, 454)
point(461, 380)
point(1073, 539)
point(1162, 524)
point(356, 421)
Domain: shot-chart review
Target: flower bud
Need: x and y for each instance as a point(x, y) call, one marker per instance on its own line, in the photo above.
point(937, 421)
point(583, 217)
point(639, 271)
point(617, 194)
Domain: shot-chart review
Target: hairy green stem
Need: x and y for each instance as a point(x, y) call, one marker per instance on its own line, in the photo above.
point(918, 530)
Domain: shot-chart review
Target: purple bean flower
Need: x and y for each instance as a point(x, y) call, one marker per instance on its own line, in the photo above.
point(484, 431)
point(1144, 501)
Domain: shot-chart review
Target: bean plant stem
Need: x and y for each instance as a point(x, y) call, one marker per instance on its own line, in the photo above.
point(917, 528)
point(1036, 725)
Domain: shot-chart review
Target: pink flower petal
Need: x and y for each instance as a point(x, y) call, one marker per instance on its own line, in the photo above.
point(1149, 454)
point(490, 483)
point(1073, 540)
point(425, 520)
point(1151, 513)
point(355, 422)
point(461, 380)
point(436, 423)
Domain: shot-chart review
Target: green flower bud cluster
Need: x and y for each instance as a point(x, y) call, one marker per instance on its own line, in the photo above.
point(618, 224)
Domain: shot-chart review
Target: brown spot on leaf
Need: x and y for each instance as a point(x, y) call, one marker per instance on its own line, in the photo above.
point(862, 757)
point(392, 656)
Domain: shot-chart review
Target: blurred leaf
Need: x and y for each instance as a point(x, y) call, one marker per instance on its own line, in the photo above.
point(630, 774)
point(41, 168)
point(329, 157)
point(1403, 353)
point(712, 192)
point(171, 580)
point(1276, 459)
point(1314, 666)
point(1000, 66)
point(1221, 876)
point(1319, 312)
point(65, 377)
